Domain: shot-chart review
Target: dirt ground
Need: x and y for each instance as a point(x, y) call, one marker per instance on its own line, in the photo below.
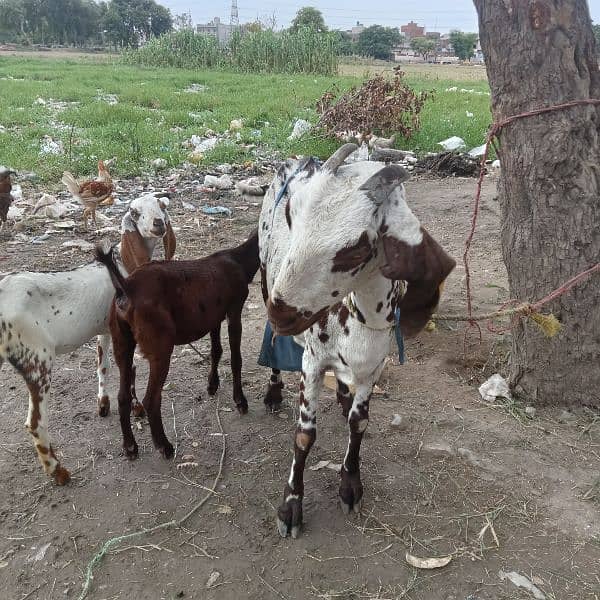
point(509, 493)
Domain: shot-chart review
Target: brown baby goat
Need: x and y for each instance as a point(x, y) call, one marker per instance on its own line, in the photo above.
point(165, 304)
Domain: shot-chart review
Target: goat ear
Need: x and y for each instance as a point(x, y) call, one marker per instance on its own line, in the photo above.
point(163, 202)
point(133, 250)
point(424, 267)
point(379, 186)
point(169, 242)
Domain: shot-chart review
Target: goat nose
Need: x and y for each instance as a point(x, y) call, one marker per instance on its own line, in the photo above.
point(159, 225)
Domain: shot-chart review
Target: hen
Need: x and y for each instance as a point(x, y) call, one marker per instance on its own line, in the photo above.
point(6, 198)
point(91, 193)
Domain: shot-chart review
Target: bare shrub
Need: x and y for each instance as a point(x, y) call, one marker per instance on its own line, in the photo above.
point(379, 106)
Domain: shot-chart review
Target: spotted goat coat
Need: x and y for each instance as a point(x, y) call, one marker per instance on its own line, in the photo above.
point(335, 242)
point(46, 314)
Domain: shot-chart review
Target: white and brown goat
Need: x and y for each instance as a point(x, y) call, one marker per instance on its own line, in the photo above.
point(334, 244)
point(46, 314)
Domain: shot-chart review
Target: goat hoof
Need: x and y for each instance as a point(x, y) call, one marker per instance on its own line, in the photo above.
point(274, 397)
point(351, 492)
point(213, 386)
point(138, 410)
point(103, 406)
point(167, 450)
point(61, 475)
point(289, 515)
point(131, 452)
point(242, 405)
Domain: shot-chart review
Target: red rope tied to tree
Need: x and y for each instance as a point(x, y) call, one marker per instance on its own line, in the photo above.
point(523, 309)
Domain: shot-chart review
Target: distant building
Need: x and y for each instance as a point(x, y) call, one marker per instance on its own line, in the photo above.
point(221, 31)
point(355, 32)
point(412, 30)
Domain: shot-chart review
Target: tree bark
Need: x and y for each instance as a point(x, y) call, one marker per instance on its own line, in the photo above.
point(540, 53)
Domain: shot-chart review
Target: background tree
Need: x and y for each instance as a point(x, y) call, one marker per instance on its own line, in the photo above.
point(377, 41)
point(308, 16)
point(596, 30)
point(344, 43)
point(463, 44)
point(423, 46)
point(183, 21)
point(549, 189)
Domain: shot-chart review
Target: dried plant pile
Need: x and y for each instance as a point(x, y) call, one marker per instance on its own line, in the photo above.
point(381, 105)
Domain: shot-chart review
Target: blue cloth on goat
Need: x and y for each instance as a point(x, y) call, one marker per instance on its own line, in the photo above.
point(282, 352)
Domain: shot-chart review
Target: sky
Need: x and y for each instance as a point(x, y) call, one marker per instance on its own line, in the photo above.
point(435, 15)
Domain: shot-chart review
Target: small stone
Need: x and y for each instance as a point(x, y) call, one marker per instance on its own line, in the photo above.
point(437, 449)
point(399, 423)
point(282, 415)
point(530, 411)
point(187, 457)
point(213, 578)
point(194, 444)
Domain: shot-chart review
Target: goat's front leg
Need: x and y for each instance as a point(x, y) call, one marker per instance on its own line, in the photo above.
point(159, 369)
point(289, 515)
point(216, 351)
point(274, 396)
point(351, 489)
point(234, 322)
point(103, 366)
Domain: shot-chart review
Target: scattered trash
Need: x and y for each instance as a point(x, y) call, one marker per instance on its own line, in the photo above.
point(225, 509)
point(522, 582)
point(496, 165)
point(51, 207)
point(110, 99)
point(399, 423)
point(195, 88)
point(449, 164)
point(82, 245)
point(51, 146)
point(437, 449)
point(17, 192)
point(251, 187)
point(201, 144)
point(360, 155)
point(453, 143)
point(216, 210)
point(15, 212)
point(470, 115)
point(478, 151)
point(159, 163)
point(427, 563)
point(64, 224)
point(212, 579)
point(326, 464)
point(381, 142)
point(187, 205)
point(530, 411)
point(494, 387)
point(236, 125)
point(196, 156)
point(301, 126)
point(225, 168)
point(188, 457)
point(39, 555)
point(39, 239)
point(224, 182)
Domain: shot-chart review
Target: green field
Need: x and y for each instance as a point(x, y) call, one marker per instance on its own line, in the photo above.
point(154, 115)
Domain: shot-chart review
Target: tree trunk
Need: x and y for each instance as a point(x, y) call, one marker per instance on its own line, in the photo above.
point(540, 53)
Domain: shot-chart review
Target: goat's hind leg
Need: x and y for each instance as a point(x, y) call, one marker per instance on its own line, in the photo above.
point(38, 378)
point(159, 369)
point(234, 322)
point(103, 366)
point(344, 397)
point(351, 489)
point(124, 348)
point(216, 351)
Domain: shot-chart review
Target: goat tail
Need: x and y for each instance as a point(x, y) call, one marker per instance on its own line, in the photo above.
point(69, 180)
point(105, 256)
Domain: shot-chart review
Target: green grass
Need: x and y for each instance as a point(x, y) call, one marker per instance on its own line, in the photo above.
point(152, 102)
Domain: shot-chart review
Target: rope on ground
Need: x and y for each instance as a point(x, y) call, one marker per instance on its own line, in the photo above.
point(173, 523)
point(548, 323)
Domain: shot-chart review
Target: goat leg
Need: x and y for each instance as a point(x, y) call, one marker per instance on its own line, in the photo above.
point(103, 366)
point(289, 514)
point(234, 323)
point(351, 489)
point(159, 369)
point(344, 397)
point(274, 396)
point(216, 351)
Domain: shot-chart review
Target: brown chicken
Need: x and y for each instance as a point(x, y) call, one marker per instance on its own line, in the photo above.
point(91, 193)
point(6, 198)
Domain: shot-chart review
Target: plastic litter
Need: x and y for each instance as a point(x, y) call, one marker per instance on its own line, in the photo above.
point(159, 163)
point(224, 182)
point(236, 125)
point(453, 143)
point(216, 210)
point(477, 151)
point(50, 146)
point(301, 126)
point(494, 387)
point(522, 582)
